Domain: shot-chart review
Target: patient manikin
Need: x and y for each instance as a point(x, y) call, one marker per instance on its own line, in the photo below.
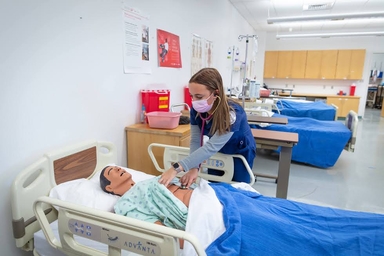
point(147, 200)
point(115, 180)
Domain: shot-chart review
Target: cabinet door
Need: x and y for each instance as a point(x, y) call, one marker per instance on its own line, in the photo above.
point(137, 150)
point(284, 62)
point(299, 59)
point(344, 105)
point(343, 64)
point(270, 64)
point(357, 64)
point(350, 104)
point(313, 65)
point(328, 64)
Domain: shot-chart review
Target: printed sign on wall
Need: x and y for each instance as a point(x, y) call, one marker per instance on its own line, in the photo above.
point(169, 54)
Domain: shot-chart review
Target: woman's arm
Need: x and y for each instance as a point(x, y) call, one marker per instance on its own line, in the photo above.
point(206, 151)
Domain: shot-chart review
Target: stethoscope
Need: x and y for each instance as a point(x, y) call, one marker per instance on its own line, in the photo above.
point(202, 127)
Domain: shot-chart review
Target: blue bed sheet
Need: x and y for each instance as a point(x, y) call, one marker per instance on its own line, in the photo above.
point(260, 225)
point(317, 109)
point(320, 142)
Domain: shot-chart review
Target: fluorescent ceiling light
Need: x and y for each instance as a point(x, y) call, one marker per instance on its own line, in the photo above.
point(325, 17)
point(326, 35)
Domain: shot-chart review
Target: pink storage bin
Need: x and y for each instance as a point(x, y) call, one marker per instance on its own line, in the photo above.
point(164, 120)
point(264, 93)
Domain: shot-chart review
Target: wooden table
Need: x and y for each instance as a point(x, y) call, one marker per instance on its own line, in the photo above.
point(265, 119)
point(272, 140)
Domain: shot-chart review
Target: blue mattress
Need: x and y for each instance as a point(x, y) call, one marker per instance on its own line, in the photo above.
point(320, 142)
point(317, 109)
point(260, 225)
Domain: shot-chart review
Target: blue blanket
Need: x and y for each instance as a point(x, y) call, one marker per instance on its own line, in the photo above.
point(320, 142)
point(317, 109)
point(259, 225)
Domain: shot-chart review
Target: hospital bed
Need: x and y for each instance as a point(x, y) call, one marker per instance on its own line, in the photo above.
point(55, 190)
point(320, 142)
point(218, 226)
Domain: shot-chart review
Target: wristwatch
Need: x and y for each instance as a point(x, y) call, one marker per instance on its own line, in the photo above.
point(177, 167)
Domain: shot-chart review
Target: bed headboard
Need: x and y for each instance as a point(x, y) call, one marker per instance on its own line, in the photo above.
point(73, 162)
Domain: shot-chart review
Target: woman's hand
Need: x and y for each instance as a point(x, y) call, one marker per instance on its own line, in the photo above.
point(189, 178)
point(168, 176)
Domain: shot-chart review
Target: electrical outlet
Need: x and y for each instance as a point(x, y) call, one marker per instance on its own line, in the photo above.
point(286, 86)
point(332, 87)
point(293, 86)
point(323, 86)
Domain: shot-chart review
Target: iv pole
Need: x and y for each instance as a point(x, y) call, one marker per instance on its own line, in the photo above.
point(247, 37)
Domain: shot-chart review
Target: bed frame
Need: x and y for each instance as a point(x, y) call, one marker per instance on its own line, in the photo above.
point(33, 210)
point(272, 105)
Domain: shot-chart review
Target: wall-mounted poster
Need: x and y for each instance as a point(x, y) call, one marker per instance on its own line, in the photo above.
point(136, 41)
point(169, 54)
point(196, 54)
point(208, 53)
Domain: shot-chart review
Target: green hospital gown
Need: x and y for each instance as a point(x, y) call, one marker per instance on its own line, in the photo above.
point(151, 201)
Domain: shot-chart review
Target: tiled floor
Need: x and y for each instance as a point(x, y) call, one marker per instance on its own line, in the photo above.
point(356, 182)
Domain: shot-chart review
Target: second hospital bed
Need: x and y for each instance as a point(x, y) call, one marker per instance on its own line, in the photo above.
point(320, 142)
point(244, 222)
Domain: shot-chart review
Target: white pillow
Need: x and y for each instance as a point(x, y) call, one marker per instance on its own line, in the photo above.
point(88, 192)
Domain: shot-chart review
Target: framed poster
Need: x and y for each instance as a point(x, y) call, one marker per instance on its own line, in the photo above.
point(169, 54)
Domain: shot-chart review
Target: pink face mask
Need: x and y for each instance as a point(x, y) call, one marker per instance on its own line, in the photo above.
point(202, 106)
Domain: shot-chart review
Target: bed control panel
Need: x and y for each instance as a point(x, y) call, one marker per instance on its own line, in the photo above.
point(214, 163)
point(114, 238)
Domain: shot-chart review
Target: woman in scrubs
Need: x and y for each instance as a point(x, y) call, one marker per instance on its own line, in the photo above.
point(223, 121)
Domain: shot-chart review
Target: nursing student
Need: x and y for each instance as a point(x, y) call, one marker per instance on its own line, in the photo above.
point(225, 123)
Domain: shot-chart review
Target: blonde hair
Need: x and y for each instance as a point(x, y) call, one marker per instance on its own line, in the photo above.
point(212, 80)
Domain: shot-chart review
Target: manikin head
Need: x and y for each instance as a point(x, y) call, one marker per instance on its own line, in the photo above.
point(115, 180)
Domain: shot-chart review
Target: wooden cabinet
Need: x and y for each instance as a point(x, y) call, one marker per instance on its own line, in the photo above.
point(139, 136)
point(299, 60)
point(270, 64)
point(322, 64)
point(344, 104)
point(284, 64)
point(313, 65)
point(382, 109)
point(350, 64)
point(357, 64)
point(343, 63)
point(328, 64)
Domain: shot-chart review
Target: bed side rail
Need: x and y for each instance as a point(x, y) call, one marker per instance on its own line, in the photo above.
point(219, 161)
point(268, 105)
point(116, 231)
point(351, 122)
point(336, 110)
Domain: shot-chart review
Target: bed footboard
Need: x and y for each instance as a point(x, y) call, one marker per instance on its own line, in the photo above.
point(116, 231)
point(351, 121)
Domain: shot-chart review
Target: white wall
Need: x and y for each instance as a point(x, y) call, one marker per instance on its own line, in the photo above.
point(62, 75)
point(371, 44)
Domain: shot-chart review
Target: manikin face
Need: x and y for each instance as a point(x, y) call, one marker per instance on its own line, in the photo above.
point(121, 181)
